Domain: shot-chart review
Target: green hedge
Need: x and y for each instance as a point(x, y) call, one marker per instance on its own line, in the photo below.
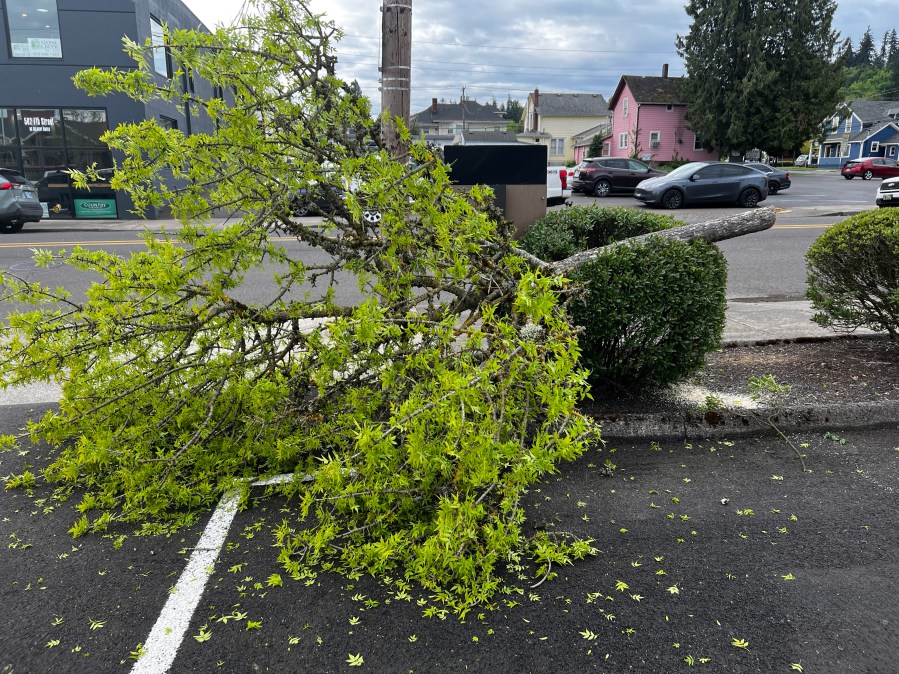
point(650, 312)
point(567, 231)
point(853, 273)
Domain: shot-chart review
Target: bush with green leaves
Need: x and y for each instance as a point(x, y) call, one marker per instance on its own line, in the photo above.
point(649, 312)
point(567, 231)
point(853, 273)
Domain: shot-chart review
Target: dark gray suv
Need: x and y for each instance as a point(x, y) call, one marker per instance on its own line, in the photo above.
point(601, 176)
point(18, 201)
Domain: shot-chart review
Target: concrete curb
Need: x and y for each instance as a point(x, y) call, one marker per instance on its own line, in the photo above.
point(695, 424)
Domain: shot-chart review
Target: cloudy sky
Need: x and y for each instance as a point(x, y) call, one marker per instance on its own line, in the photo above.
point(497, 49)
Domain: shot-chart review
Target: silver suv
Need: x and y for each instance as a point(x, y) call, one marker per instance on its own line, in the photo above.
point(18, 201)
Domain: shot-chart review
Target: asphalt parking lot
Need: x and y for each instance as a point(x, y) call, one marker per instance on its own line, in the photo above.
point(727, 521)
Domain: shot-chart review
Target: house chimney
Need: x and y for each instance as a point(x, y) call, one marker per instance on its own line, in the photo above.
point(664, 70)
point(536, 103)
point(433, 106)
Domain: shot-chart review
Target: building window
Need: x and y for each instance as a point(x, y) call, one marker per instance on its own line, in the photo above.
point(38, 141)
point(697, 144)
point(557, 146)
point(655, 138)
point(875, 146)
point(622, 141)
point(167, 123)
point(161, 61)
point(606, 149)
point(847, 127)
point(669, 107)
point(624, 107)
point(33, 29)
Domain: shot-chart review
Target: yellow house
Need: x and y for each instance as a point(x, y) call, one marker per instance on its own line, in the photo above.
point(555, 119)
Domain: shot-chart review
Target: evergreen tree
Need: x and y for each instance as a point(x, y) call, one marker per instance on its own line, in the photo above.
point(595, 149)
point(847, 54)
point(864, 56)
point(893, 50)
point(880, 60)
point(759, 76)
point(514, 109)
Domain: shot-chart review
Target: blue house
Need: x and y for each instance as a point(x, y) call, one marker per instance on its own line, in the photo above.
point(860, 129)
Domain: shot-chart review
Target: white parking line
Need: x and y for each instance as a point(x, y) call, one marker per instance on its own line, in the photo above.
point(167, 634)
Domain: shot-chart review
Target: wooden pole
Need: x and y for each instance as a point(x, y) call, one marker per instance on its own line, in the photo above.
point(396, 69)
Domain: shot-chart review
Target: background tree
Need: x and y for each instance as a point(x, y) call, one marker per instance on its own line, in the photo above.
point(759, 74)
point(514, 113)
point(864, 55)
point(595, 149)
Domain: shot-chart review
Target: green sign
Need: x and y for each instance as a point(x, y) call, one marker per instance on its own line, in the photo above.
point(95, 208)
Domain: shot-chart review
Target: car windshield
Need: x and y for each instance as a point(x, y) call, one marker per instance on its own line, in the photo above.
point(686, 169)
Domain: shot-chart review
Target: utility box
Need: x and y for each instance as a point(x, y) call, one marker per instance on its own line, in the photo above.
point(515, 172)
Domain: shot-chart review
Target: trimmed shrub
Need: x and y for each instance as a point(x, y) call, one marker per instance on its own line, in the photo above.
point(649, 312)
point(568, 231)
point(853, 273)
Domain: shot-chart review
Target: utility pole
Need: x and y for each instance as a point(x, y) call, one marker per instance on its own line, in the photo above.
point(396, 69)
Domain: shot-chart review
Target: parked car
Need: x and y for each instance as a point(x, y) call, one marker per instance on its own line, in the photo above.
point(806, 160)
point(557, 187)
point(317, 202)
point(888, 193)
point(18, 201)
point(777, 179)
point(870, 167)
point(704, 182)
point(601, 176)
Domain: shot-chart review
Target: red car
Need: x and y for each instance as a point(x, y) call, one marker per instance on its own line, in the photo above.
point(869, 167)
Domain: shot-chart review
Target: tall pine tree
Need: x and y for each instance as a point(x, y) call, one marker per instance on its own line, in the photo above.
point(760, 74)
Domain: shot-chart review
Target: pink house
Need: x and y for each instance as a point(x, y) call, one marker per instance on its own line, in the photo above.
point(648, 121)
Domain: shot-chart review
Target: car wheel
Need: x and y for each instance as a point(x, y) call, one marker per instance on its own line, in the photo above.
point(867, 175)
point(300, 210)
point(750, 198)
point(371, 217)
point(10, 227)
point(672, 200)
point(773, 187)
point(602, 188)
point(848, 177)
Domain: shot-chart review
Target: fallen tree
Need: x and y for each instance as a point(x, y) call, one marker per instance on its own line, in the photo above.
point(421, 414)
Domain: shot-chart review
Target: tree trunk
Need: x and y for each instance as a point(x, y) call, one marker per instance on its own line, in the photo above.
point(748, 222)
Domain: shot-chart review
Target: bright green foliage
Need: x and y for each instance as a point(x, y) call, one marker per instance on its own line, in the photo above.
point(568, 231)
point(422, 412)
point(853, 273)
point(759, 74)
point(649, 312)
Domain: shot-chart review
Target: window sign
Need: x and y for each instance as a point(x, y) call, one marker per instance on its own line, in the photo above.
point(33, 29)
point(40, 127)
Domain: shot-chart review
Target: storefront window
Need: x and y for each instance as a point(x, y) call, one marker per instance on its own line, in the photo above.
point(33, 29)
point(38, 162)
point(7, 127)
point(81, 159)
point(84, 127)
point(39, 127)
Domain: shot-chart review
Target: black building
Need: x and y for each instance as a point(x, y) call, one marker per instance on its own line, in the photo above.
point(46, 124)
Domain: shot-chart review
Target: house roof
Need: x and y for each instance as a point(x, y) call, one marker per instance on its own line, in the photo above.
point(470, 111)
point(869, 111)
point(869, 129)
point(650, 90)
point(491, 137)
point(572, 105)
